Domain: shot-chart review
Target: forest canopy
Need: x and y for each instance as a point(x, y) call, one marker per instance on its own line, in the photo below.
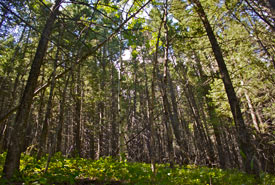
point(187, 82)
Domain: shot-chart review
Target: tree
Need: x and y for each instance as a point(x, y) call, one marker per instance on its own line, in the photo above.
point(15, 147)
point(185, 82)
point(244, 137)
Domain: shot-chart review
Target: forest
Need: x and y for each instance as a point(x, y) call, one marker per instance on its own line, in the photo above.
point(137, 92)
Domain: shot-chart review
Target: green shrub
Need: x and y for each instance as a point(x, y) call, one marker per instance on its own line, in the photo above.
point(68, 170)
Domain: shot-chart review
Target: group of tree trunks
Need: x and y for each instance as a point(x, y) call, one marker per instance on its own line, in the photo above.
point(149, 109)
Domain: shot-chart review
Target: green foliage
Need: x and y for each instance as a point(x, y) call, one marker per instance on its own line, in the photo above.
point(68, 170)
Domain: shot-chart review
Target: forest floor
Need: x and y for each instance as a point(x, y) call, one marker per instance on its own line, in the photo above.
point(88, 181)
point(110, 171)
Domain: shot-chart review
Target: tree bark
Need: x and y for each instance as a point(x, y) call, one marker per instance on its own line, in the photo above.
point(179, 135)
point(148, 117)
point(45, 126)
point(150, 104)
point(12, 162)
point(121, 124)
point(213, 117)
point(168, 118)
point(114, 115)
point(252, 111)
point(61, 116)
point(77, 117)
point(244, 138)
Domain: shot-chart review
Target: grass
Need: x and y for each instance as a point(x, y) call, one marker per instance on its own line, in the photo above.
point(111, 171)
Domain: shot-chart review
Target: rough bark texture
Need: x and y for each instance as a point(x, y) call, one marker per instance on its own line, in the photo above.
point(15, 147)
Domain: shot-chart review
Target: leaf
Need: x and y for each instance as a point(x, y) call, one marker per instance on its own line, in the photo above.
point(242, 154)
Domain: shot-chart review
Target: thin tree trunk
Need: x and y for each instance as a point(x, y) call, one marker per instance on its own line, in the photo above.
point(200, 138)
point(151, 141)
point(61, 116)
point(122, 146)
point(92, 144)
point(45, 126)
point(4, 82)
point(252, 112)
point(163, 85)
point(150, 104)
point(40, 110)
point(77, 117)
point(180, 138)
point(14, 91)
point(114, 116)
point(211, 112)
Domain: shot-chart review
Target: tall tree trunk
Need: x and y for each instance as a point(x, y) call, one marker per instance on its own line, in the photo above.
point(213, 117)
point(150, 104)
point(122, 146)
point(201, 138)
point(149, 122)
point(77, 117)
point(114, 116)
point(92, 143)
point(244, 138)
point(4, 83)
point(179, 135)
point(15, 89)
point(251, 109)
point(61, 116)
point(40, 110)
point(12, 162)
point(45, 126)
point(164, 82)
